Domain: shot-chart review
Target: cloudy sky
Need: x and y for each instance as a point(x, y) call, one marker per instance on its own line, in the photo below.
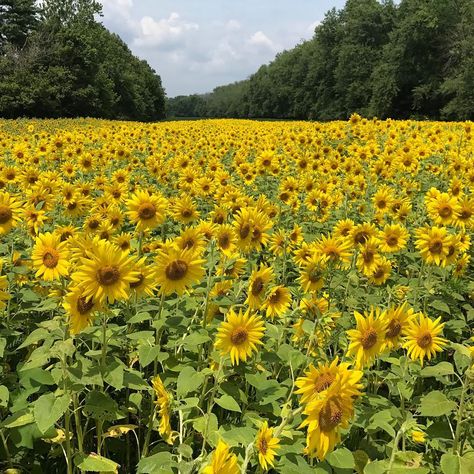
point(196, 45)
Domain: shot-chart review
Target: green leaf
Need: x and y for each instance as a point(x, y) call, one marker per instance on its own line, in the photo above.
point(361, 458)
point(188, 381)
point(436, 404)
point(147, 354)
point(101, 406)
point(19, 418)
point(48, 409)
point(95, 463)
point(34, 337)
point(4, 396)
point(227, 402)
point(159, 463)
point(438, 370)
point(3, 344)
point(440, 306)
point(341, 458)
point(454, 464)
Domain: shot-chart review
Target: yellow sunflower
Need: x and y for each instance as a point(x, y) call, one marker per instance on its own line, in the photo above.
point(146, 210)
point(393, 238)
point(50, 257)
point(222, 461)
point(4, 294)
point(277, 302)
point(368, 339)
point(177, 270)
point(106, 273)
point(9, 212)
point(163, 403)
point(258, 284)
point(398, 319)
point(80, 309)
point(239, 335)
point(311, 276)
point(267, 446)
point(422, 338)
point(433, 244)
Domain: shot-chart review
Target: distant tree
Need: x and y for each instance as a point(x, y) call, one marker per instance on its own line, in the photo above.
point(17, 19)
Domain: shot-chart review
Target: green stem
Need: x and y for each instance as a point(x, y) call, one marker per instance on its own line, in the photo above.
point(77, 419)
point(394, 450)
point(7, 451)
point(459, 417)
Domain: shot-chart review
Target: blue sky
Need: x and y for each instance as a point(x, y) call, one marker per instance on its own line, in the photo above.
point(196, 45)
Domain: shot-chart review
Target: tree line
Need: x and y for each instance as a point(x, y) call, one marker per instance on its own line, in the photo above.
point(58, 60)
point(412, 59)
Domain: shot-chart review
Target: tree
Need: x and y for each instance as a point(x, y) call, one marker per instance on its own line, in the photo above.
point(17, 19)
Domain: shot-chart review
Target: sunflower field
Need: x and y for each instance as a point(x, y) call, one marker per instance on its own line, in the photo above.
point(232, 296)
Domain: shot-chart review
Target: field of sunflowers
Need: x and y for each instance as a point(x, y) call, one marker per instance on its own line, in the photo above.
point(228, 296)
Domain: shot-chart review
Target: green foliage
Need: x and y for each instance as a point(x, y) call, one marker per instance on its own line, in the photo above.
point(410, 59)
point(71, 65)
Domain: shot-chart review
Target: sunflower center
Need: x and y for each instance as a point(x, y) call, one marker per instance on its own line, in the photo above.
point(330, 416)
point(65, 235)
point(256, 234)
point(239, 336)
point(382, 204)
point(378, 273)
point(436, 247)
point(84, 305)
point(275, 297)
point(361, 237)
point(146, 211)
point(263, 446)
point(393, 329)
point(136, 284)
point(93, 224)
point(108, 275)
point(369, 339)
point(257, 286)
point(465, 215)
point(5, 214)
point(323, 382)
point(50, 257)
point(314, 275)
point(176, 270)
point(392, 240)
point(368, 256)
point(224, 241)
point(244, 231)
point(424, 339)
point(445, 211)
point(186, 213)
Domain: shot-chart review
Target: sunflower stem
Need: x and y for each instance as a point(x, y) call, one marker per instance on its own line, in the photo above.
point(209, 284)
point(460, 414)
point(394, 449)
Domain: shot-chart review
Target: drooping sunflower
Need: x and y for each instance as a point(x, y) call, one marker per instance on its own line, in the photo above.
point(177, 270)
point(9, 212)
point(277, 302)
point(320, 378)
point(398, 319)
point(422, 338)
point(258, 285)
point(163, 403)
point(239, 335)
point(325, 417)
point(146, 210)
point(222, 461)
point(50, 257)
point(368, 339)
point(106, 273)
point(80, 309)
point(267, 446)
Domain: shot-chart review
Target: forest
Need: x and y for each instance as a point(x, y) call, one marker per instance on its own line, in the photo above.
point(411, 59)
point(58, 60)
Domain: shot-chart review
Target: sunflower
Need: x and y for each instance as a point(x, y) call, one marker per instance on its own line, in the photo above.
point(442, 208)
point(258, 284)
point(362, 232)
point(250, 229)
point(368, 257)
point(9, 212)
point(226, 239)
point(393, 238)
point(192, 239)
point(239, 335)
point(381, 271)
point(422, 338)
point(145, 283)
point(106, 273)
point(266, 445)
point(277, 301)
point(50, 257)
point(222, 461)
point(335, 250)
point(318, 379)
point(163, 403)
point(325, 417)
point(367, 340)
point(184, 210)
point(146, 210)
point(80, 309)
point(398, 319)
point(4, 294)
point(177, 270)
point(311, 276)
point(433, 244)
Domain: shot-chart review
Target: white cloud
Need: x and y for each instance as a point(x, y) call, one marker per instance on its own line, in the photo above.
point(233, 25)
point(261, 40)
point(166, 32)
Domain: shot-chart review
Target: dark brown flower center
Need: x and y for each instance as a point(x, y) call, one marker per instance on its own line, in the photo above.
point(244, 231)
point(393, 329)
point(50, 257)
point(361, 237)
point(369, 339)
point(84, 305)
point(176, 270)
point(146, 211)
point(257, 286)
point(392, 240)
point(108, 275)
point(239, 336)
point(93, 224)
point(136, 284)
point(5, 214)
point(224, 241)
point(445, 211)
point(330, 416)
point(263, 446)
point(323, 382)
point(436, 247)
point(424, 340)
point(276, 297)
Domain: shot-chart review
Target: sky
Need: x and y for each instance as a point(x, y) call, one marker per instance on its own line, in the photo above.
point(196, 45)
